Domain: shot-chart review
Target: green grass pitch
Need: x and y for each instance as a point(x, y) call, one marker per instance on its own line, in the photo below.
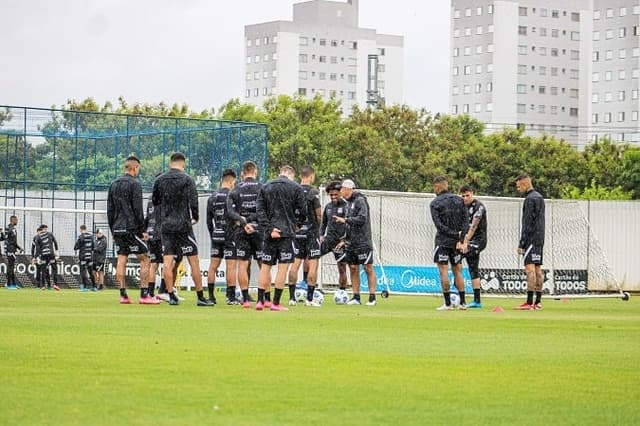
point(81, 358)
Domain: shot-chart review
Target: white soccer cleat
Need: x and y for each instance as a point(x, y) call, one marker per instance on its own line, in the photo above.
point(372, 303)
point(444, 308)
point(354, 302)
point(292, 302)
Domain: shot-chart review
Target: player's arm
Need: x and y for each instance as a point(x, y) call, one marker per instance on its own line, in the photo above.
point(440, 225)
point(300, 206)
point(359, 214)
point(317, 208)
point(233, 201)
point(193, 201)
point(55, 242)
point(110, 208)
point(324, 221)
point(261, 212)
point(78, 244)
point(137, 204)
point(210, 214)
point(477, 218)
point(528, 221)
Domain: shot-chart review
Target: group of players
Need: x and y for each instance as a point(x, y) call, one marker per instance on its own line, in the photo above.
point(280, 223)
point(461, 232)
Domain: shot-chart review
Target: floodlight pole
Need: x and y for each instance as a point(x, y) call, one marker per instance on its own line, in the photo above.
point(373, 95)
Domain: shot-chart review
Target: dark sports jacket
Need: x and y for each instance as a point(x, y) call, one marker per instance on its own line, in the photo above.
point(217, 217)
point(281, 204)
point(241, 203)
point(10, 237)
point(100, 249)
point(451, 218)
point(175, 193)
point(44, 244)
point(151, 222)
point(532, 231)
point(358, 221)
point(310, 227)
point(124, 206)
point(84, 244)
point(478, 210)
point(330, 229)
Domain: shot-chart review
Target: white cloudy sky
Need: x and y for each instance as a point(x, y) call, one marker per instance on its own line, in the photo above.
point(182, 50)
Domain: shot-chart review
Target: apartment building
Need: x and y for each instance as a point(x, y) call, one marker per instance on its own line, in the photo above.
point(321, 52)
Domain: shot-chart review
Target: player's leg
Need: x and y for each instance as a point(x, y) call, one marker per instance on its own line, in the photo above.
point(196, 275)
point(214, 264)
point(11, 270)
point(293, 279)
point(456, 268)
point(539, 282)
point(312, 277)
point(441, 258)
point(371, 283)
point(342, 275)
point(264, 282)
point(473, 261)
point(351, 259)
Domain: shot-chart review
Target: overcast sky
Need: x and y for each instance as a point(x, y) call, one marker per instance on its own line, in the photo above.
point(183, 50)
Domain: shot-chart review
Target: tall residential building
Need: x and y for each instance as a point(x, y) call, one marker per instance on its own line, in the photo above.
point(541, 64)
point(321, 52)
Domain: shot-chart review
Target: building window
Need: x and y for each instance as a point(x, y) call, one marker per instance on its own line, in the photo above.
point(522, 49)
point(554, 91)
point(302, 58)
point(467, 50)
point(333, 59)
point(594, 118)
point(477, 108)
point(608, 75)
point(479, 30)
point(478, 88)
point(622, 32)
point(622, 74)
point(554, 71)
point(265, 58)
point(257, 42)
point(274, 39)
point(490, 9)
point(608, 96)
point(489, 48)
point(248, 42)
point(596, 56)
point(542, 70)
point(248, 59)
point(607, 117)
point(621, 95)
point(456, 32)
point(596, 15)
point(622, 53)
point(554, 33)
point(522, 11)
point(575, 16)
point(635, 73)
point(573, 112)
point(381, 51)
point(596, 35)
point(554, 109)
point(265, 40)
point(489, 67)
point(595, 98)
point(256, 75)
point(522, 30)
point(467, 32)
point(542, 51)
point(554, 52)
point(467, 70)
point(256, 59)
point(521, 89)
point(521, 108)
point(489, 107)
point(302, 91)
point(352, 78)
point(274, 73)
point(454, 109)
point(609, 13)
point(479, 11)
point(455, 90)
point(608, 34)
point(465, 108)
point(323, 42)
point(333, 76)
point(456, 52)
point(302, 75)
point(490, 28)
point(636, 10)
point(608, 55)
point(322, 59)
point(456, 14)
point(543, 12)
point(455, 71)
point(635, 94)
point(542, 90)
point(479, 69)
point(247, 94)
point(573, 93)
point(479, 49)
point(248, 76)
point(634, 115)
point(555, 13)
point(322, 75)
point(351, 95)
point(541, 109)
point(621, 116)
point(522, 69)
point(466, 89)
point(574, 74)
point(256, 92)
point(265, 74)
point(265, 91)
point(353, 45)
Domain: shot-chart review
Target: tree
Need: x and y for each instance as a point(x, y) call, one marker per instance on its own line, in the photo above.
point(630, 174)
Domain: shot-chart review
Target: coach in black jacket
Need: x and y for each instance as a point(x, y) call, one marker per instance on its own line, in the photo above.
point(451, 218)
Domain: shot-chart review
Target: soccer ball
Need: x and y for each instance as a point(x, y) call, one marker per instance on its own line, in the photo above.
point(455, 300)
point(300, 295)
point(318, 297)
point(340, 297)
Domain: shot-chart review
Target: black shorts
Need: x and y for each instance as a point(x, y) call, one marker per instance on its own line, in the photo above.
point(358, 255)
point(98, 267)
point(533, 255)
point(129, 243)
point(444, 255)
point(245, 246)
point(330, 247)
point(179, 244)
point(86, 263)
point(47, 259)
point(222, 249)
point(155, 251)
point(280, 250)
point(308, 248)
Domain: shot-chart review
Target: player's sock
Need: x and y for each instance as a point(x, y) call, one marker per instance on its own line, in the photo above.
point(292, 291)
point(267, 296)
point(462, 298)
point(530, 297)
point(304, 275)
point(538, 297)
point(123, 291)
point(476, 295)
point(211, 288)
point(232, 292)
point(261, 295)
point(152, 289)
point(276, 296)
point(163, 286)
point(245, 295)
point(356, 296)
point(173, 296)
point(310, 290)
point(372, 297)
point(144, 292)
point(447, 298)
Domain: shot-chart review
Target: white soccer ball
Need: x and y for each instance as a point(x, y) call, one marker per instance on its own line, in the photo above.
point(300, 295)
point(318, 297)
point(455, 300)
point(341, 297)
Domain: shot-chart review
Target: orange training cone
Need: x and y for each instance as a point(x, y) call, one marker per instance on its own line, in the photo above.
point(498, 309)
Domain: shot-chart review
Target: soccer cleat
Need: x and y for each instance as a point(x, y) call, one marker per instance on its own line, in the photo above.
point(12, 287)
point(56, 288)
point(174, 302)
point(164, 296)
point(43, 288)
point(83, 289)
point(292, 302)
point(94, 289)
point(275, 307)
point(537, 306)
point(231, 301)
point(125, 301)
point(312, 303)
point(372, 303)
point(246, 305)
point(267, 304)
point(213, 300)
point(474, 305)
point(462, 307)
point(259, 306)
point(148, 300)
point(444, 307)
point(524, 307)
point(354, 302)
point(205, 302)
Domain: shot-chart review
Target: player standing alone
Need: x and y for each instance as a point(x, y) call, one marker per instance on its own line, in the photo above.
point(531, 241)
point(99, 257)
point(475, 240)
point(11, 247)
point(451, 219)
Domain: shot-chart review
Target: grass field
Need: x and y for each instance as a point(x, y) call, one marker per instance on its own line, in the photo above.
point(81, 358)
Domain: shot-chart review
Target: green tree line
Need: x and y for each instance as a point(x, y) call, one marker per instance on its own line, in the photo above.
point(394, 148)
